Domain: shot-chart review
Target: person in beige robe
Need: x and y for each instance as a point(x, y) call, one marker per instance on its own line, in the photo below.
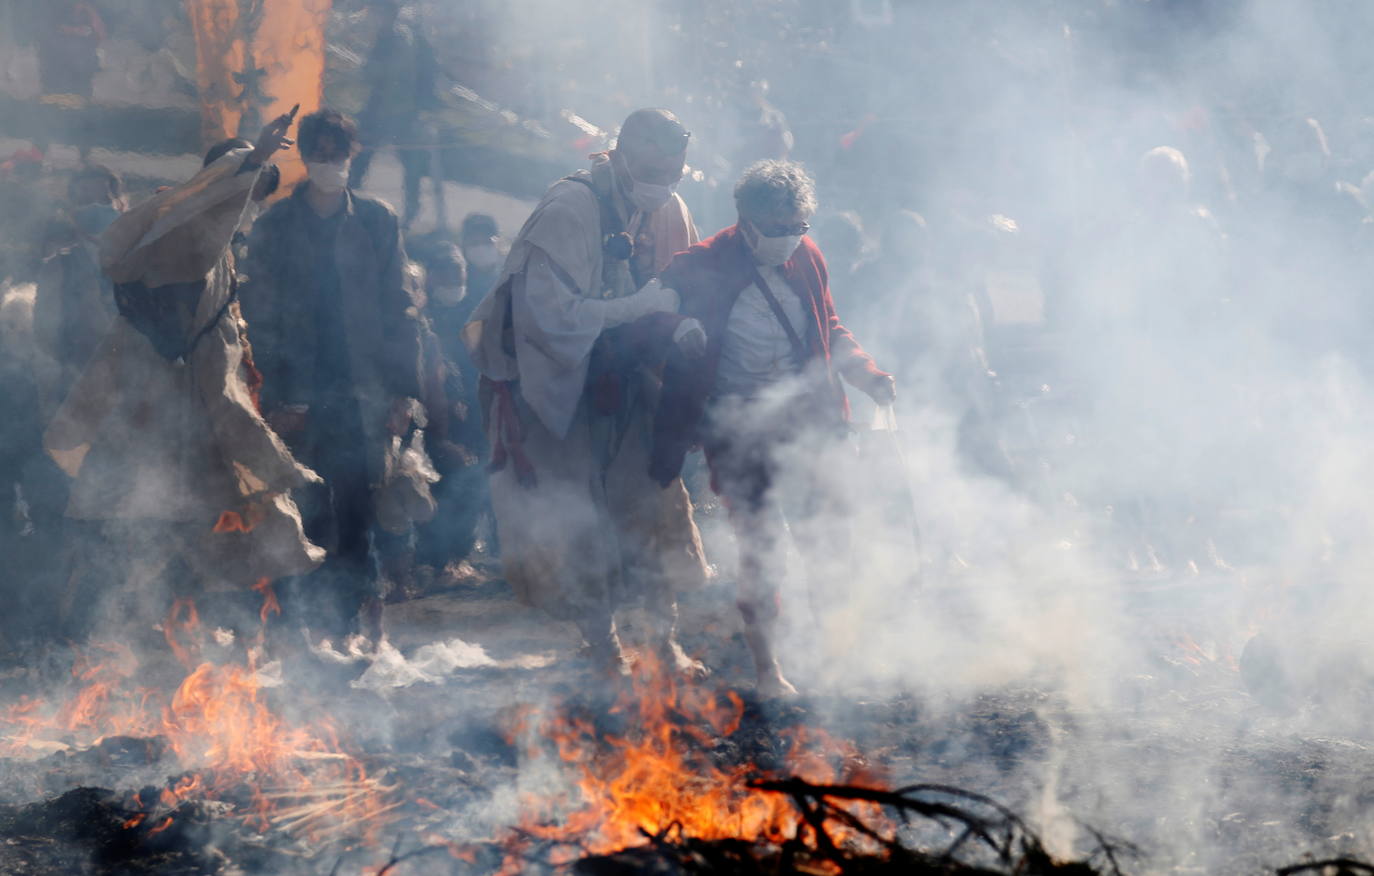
point(172, 465)
point(566, 346)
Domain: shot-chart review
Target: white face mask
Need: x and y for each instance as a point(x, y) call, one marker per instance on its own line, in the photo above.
point(483, 256)
point(447, 296)
point(330, 177)
point(648, 197)
point(772, 251)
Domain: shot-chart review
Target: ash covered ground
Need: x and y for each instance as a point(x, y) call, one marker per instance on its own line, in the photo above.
point(1186, 766)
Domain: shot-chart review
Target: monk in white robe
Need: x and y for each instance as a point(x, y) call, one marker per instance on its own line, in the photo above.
point(569, 344)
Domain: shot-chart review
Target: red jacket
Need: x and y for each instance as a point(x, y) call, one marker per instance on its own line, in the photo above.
point(710, 277)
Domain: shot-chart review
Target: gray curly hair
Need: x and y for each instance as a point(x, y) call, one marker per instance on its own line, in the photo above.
point(770, 187)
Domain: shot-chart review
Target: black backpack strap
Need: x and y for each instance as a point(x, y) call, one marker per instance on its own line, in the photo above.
point(161, 314)
point(215, 320)
point(615, 242)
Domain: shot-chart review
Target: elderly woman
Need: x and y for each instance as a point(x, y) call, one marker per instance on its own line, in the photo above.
point(762, 394)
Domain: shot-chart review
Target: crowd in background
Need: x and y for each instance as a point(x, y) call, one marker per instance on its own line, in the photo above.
point(984, 175)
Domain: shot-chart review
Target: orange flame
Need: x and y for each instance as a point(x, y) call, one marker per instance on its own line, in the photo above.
point(235, 521)
point(270, 605)
point(182, 619)
point(662, 775)
point(218, 724)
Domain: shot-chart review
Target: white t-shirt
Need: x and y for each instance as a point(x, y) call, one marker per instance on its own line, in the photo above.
point(756, 352)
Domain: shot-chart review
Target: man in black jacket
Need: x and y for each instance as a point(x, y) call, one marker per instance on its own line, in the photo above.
point(336, 335)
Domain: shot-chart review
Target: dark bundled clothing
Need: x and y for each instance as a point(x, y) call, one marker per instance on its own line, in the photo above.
point(32, 495)
point(162, 314)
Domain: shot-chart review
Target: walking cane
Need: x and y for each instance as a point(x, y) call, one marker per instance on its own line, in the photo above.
point(885, 420)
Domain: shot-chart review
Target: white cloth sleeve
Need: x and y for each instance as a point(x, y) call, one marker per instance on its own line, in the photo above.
point(125, 243)
point(554, 329)
point(551, 315)
point(653, 297)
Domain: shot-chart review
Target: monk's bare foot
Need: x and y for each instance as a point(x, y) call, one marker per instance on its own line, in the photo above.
point(678, 661)
point(772, 685)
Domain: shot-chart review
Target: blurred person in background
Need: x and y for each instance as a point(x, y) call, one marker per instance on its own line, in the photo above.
point(762, 128)
point(927, 321)
point(69, 36)
point(842, 235)
point(764, 398)
point(885, 297)
point(566, 344)
point(179, 486)
point(75, 299)
point(1298, 164)
point(32, 492)
point(454, 435)
point(337, 337)
point(1165, 347)
point(24, 205)
point(402, 77)
point(480, 239)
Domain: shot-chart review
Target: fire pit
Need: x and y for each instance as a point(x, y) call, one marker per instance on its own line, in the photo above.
point(201, 760)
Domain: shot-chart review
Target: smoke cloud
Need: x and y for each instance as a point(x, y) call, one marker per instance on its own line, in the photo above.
point(1110, 567)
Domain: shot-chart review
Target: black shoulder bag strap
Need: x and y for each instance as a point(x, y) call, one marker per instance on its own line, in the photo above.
point(615, 240)
point(799, 348)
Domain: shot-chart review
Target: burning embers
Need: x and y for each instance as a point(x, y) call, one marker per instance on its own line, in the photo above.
point(667, 774)
point(673, 764)
point(217, 723)
point(690, 781)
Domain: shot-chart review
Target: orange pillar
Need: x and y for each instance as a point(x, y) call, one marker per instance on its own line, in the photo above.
point(219, 55)
point(289, 48)
point(285, 53)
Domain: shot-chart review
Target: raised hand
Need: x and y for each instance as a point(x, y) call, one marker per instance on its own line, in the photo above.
point(690, 338)
point(273, 138)
point(884, 391)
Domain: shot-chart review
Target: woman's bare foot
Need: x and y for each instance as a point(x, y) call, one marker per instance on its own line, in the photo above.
point(772, 686)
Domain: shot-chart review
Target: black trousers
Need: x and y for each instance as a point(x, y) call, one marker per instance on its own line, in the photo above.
point(338, 516)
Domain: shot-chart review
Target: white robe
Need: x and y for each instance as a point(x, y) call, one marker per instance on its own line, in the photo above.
point(568, 541)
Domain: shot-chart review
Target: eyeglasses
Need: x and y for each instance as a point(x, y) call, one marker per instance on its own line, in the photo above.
point(777, 229)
